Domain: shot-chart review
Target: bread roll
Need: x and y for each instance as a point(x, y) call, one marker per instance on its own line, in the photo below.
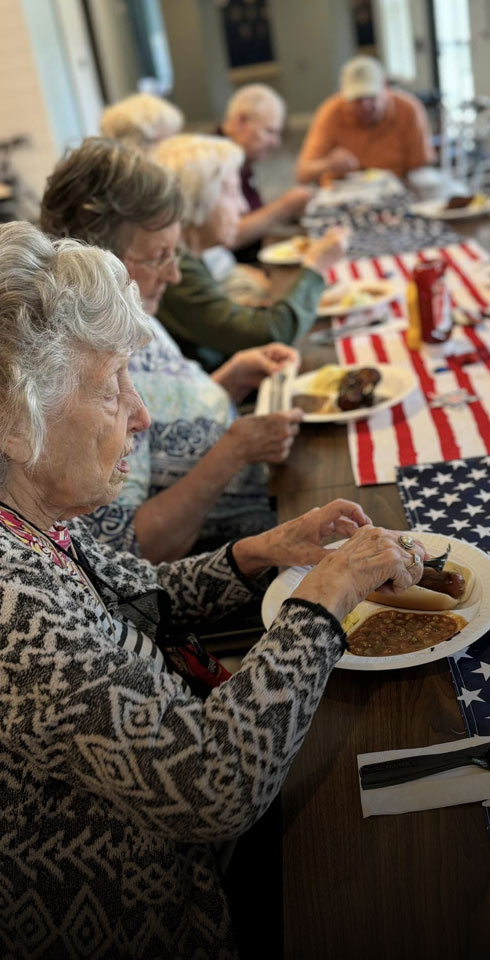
point(420, 598)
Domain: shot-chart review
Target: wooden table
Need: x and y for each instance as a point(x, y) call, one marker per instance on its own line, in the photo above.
point(410, 886)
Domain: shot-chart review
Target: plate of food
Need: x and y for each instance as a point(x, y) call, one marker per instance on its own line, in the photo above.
point(339, 393)
point(369, 175)
point(423, 624)
point(457, 207)
point(288, 253)
point(356, 296)
point(362, 186)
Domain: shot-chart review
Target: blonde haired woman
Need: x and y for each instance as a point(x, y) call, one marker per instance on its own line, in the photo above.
point(141, 120)
point(207, 324)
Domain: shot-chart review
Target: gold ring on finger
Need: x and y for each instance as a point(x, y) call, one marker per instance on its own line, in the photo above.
point(416, 561)
point(406, 542)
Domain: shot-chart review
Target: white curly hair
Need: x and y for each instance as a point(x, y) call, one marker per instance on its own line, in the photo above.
point(141, 120)
point(57, 299)
point(201, 163)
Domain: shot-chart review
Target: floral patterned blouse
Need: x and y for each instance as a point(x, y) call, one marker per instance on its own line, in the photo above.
point(189, 414)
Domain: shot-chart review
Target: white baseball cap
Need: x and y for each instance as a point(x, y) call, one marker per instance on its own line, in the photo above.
point(361, 77)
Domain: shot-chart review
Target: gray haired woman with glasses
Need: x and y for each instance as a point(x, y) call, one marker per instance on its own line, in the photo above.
point(198, 476)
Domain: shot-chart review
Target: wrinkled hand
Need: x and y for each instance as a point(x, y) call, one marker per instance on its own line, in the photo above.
point(372, 559)
point(299, 541)
point(246, 369)
point(340, 161)
point(250, 286)
point(280, 353)
point(251, 366)
point(323, 253)
point(266, 438)
point(294, 201)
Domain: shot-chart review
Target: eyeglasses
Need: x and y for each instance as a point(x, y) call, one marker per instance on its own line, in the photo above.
point(163, 262)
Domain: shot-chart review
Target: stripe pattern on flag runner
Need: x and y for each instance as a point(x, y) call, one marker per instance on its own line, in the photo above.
point(414, 432)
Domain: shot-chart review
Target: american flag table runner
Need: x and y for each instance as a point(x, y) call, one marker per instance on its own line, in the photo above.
point(448, 416)
point(453, 499)
point(380, 227)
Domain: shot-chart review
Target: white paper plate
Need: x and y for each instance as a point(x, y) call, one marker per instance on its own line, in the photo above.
point(368, 186)
point(476, 610)
point(283, 254)
point(395, 384)
point(382, 292)
point(436, 210)
point(358, 325)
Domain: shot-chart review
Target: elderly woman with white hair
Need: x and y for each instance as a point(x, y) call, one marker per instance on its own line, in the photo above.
point(207, 324)
point(127, 752)
point(141, 120)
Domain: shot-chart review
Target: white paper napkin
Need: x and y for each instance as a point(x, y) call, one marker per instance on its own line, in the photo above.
point(264, 403)
point(462, 785)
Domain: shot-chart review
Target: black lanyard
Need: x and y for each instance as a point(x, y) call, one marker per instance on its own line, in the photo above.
point(80, 559)
point(169, 644)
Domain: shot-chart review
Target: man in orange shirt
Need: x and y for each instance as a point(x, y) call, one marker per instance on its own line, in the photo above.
point(365, 125)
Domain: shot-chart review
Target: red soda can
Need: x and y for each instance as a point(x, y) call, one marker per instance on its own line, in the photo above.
point(436, 320)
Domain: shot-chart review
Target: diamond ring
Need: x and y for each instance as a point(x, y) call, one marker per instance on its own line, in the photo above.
point(406, 542)
point(416, 561)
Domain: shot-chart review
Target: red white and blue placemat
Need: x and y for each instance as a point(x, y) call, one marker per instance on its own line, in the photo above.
point(448, 416)
point(384, 226)
point(453, 499)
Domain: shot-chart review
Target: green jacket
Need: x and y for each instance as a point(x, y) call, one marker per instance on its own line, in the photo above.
point(210, 327)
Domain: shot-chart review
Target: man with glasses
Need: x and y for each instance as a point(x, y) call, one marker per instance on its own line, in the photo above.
point(254, 120)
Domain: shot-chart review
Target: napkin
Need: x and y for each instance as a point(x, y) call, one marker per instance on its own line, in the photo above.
point(461, 785)
point(274, 393)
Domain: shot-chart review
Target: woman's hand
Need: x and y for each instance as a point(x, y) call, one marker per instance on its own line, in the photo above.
point(279, 354)
point(373, 558)
point(265, 438)
point(299, 541)
point(246, 369)
point(324, 253)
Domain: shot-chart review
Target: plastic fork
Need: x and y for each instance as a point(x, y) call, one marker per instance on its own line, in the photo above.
point(437, 563)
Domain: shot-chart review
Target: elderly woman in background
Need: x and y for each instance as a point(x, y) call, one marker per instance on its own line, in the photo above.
point(141, 120)
point(207, 324)
point(197, 476)
point(126, 752)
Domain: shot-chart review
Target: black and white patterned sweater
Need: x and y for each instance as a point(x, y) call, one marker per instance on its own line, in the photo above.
point(115, 780)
